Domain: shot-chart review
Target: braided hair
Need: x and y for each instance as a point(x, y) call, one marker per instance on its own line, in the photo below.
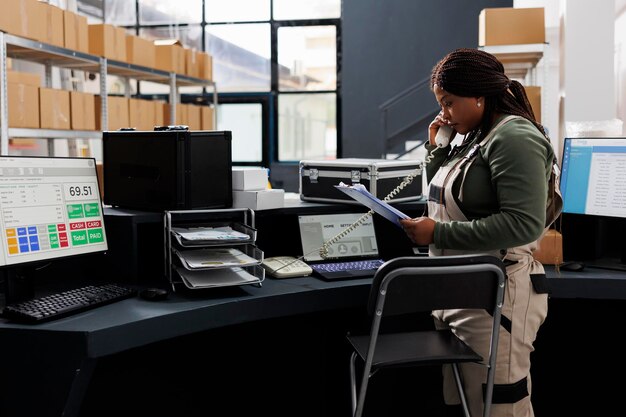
point(474, 73)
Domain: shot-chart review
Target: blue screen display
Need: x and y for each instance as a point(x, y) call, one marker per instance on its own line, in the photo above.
point(593, 177)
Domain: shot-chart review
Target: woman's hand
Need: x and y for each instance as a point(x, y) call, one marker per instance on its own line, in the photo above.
point(434, 126)
point(420, 230)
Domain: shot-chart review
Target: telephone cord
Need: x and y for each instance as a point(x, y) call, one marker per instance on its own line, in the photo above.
point(405, 182)
point(430, 154)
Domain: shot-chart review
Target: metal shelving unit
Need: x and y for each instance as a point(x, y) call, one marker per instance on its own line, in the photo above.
point(520, 62)
point(50, 56)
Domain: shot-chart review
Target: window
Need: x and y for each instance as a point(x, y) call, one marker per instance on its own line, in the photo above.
point(245, 120)
point(284, 51)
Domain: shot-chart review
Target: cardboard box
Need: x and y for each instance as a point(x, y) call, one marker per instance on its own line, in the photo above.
point(54, 108)
point(140, 51)
point(75, 32)
point(24, 78)
point(550, 249)
point(23, 98)
point(22, 18)
point(206, 66)
point(170, 55)
point(52, 31)
point(141, 114)
point(117, 111)
point(249, 178)
point(83, 111)
point(259, 199)
point(534, 96)
point(194, 117)
point(192, 63)
point(107, 41)
point(160, 107)
point(206, 118)
point(508, 25)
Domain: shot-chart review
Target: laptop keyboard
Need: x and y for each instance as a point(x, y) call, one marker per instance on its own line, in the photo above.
point(365, 265)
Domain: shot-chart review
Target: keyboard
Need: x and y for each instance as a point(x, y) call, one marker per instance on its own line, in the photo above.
point(365, 265)
point(66, 303)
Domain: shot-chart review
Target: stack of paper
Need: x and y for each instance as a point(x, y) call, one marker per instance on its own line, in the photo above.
point(214, 258)
point(187, 236)
point(216, 278)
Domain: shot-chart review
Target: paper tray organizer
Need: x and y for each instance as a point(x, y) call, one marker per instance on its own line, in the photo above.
point(199, 254)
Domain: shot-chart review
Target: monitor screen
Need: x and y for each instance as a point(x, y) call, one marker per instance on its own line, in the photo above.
point(49, 208)
point(319, 228)
point(593, 177)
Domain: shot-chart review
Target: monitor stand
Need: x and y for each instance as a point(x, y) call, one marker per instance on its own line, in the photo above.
point(18, 285)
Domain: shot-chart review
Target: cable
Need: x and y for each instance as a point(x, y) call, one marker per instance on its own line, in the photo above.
point(429, 155)
point(323, 250)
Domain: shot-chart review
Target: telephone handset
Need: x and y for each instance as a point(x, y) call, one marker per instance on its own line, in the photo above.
point(444, 134)
point(442, 139)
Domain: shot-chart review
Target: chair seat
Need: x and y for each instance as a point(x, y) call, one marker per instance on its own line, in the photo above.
point(415, 348)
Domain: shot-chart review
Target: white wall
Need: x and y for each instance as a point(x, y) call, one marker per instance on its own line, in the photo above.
point(589, 73)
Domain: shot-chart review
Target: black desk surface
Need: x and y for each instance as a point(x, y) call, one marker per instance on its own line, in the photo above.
point(136, 322)
point(73, 343)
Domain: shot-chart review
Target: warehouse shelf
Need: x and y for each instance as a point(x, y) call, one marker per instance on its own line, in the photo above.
point(518, 60)
point(15, 132)
point(16, 47)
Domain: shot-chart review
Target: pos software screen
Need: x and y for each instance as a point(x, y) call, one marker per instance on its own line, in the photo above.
point(49, 208)
point(593, 177)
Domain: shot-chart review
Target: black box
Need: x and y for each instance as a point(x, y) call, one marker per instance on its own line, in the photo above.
point(380, 176)
point(168, 170)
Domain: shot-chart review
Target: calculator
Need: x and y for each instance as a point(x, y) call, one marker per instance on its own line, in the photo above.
point(286, 267)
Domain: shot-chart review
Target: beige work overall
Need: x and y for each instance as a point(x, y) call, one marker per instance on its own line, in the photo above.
point(523, 312)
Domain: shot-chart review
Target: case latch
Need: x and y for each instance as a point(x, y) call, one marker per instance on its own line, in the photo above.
point(355, 175)
point(313, 175)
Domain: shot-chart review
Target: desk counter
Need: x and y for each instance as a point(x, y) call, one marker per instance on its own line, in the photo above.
point(69, 347)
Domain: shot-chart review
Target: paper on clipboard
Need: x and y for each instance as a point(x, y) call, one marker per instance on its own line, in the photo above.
point(360, 194)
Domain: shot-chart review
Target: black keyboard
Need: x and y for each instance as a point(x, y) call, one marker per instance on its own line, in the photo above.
point(66, 303)
point(365, 265)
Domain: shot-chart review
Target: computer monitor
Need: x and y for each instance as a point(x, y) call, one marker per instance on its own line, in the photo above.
point(50, 208)
point(593, 183)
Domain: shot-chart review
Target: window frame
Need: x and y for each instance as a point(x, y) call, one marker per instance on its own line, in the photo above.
point(269, 100)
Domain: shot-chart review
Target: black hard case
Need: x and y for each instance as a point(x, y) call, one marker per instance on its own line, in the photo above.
point(379, 176)
point(168, 170)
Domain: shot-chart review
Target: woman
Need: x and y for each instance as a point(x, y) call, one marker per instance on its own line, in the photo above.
point(488, 195)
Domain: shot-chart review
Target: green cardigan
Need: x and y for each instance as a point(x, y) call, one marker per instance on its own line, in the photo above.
point(504, 194)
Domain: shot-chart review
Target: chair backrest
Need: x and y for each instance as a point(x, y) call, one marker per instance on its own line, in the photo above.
point(417, 284)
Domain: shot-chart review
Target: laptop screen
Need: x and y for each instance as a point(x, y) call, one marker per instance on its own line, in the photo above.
point(317, 229)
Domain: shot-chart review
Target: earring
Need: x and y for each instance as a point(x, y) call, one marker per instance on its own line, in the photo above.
point(478, 103)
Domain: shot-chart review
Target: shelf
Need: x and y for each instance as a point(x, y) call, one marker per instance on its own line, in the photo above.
point(45, 54)
point(54, 134)
point(137, 72)
point(517, 59)
point(53, 56)
point(42, 53)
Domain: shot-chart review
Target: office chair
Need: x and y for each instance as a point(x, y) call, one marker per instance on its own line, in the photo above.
point(421, 284)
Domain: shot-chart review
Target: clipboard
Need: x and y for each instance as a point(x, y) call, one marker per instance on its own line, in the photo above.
point(359, 193)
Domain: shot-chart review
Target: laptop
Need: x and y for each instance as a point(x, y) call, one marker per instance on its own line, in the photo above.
point(353, 256)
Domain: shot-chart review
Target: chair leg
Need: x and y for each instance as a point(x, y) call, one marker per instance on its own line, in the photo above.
point(360, 401)
point(459, 387)
point(353, 381)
